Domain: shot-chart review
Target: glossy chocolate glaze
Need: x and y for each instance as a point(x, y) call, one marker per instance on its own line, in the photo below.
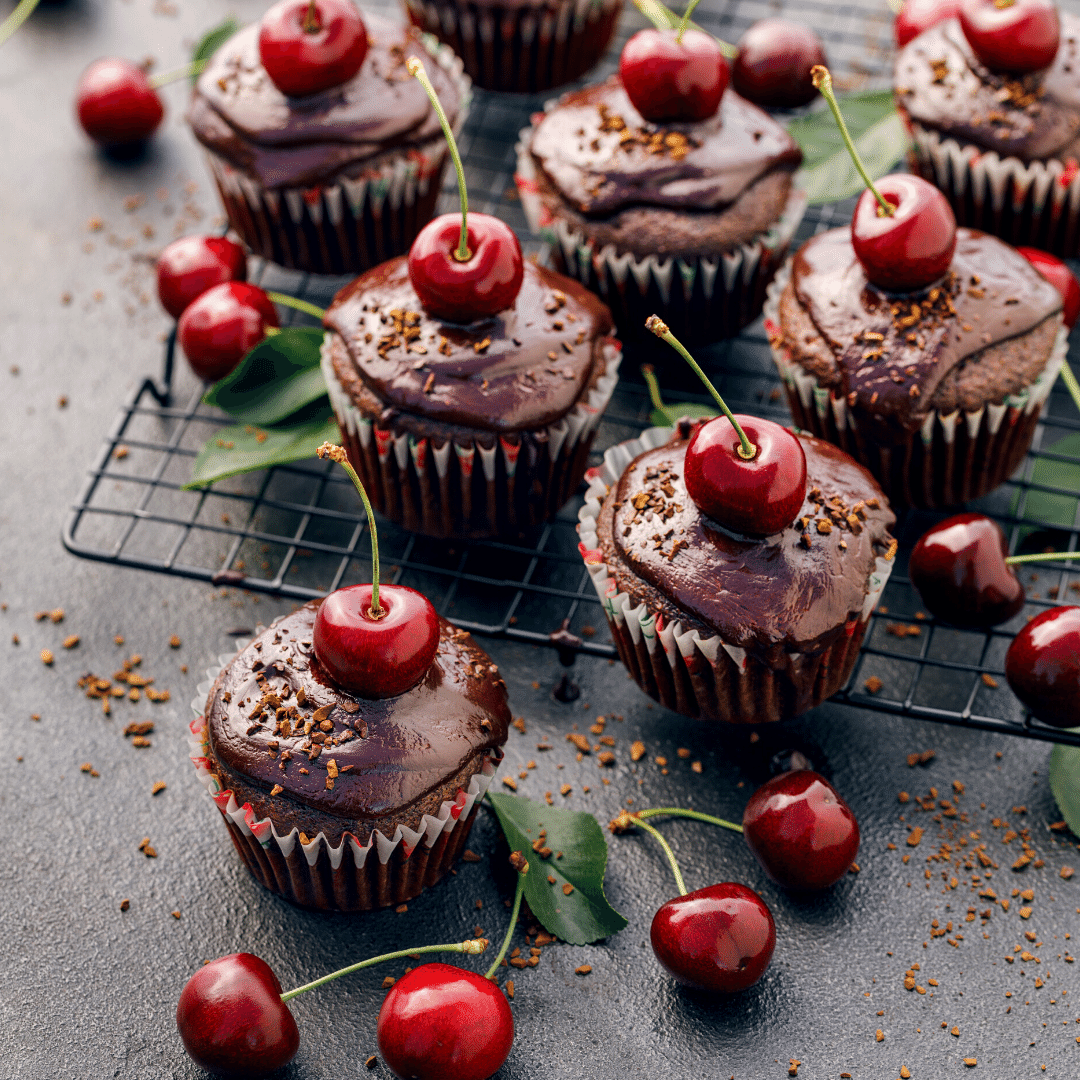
point(891, 356)
point(793, 592)
point(237, 112)
point(584, 148)
point(521, 369)
point(940, 83)
point(388, 754)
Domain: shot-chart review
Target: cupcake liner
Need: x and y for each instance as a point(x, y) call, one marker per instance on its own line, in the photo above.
point(701, 298)
point(353, 223)
point(522, 47)
point(707, 677)
point(1036, 204)
point(521, 479)
point(951, 459)
point(350, 876)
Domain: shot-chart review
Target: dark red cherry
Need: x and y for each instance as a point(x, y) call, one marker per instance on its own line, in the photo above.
point(1012, 35)
point(959, 568)
point(758, 497)
point(1043, 666)
point(376, 658)
point(667, 79)
point(116, 104)
point(910, 248)
point(919, 15)
point(312, 45)
point(800, 830)
point(719, 938)
point(232, 1020)
point(191, 265)
point(441, 1021)
point(219, 327)
point(1061, 277)
point(773, 65)
point(476, 288)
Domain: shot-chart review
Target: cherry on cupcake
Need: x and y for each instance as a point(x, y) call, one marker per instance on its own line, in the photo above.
point(774, 64)
point(1043, 666)
point(1061, 277)
point(191, 265)
point(917, 16)
point(116, 105)
point(1012, 35)
point(220, 326)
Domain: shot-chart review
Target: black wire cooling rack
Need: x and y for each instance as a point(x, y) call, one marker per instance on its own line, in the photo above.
point(297, 531)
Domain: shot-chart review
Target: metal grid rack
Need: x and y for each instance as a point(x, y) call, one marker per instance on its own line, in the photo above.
point(298, 531)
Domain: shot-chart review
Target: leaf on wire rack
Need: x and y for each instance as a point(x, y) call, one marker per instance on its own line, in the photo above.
point(583, 914)
point(1045, 508)
point(1065, 782)
point(210, 42)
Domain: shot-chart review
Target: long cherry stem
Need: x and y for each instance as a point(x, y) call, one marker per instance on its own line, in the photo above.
point(516, 860)
point(1068, 377)
point(696, 815)
point(685, 21)
point(337, 453)
point(1048, 556)
point(672, 862)
point(823, 81)
point(747, 450)
point(185, 72)
point(417, 70)
point(12, 23)
point(299, 305)
point(648, 373)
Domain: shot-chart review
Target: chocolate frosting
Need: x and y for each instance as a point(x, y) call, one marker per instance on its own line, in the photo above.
point(941, 83)
point(893, 350)
point(522, 369)
point(603, 155)
point(386, 754)
point(792, 592)
point(237, 112)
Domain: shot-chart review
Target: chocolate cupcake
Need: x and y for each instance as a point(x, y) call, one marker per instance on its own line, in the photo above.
point(1003, 147)
point(468, 430)
point(726, 627)
point(686, 219)
point(345, 803)
point(936, 392)
point(338, 181)
point(524, 46)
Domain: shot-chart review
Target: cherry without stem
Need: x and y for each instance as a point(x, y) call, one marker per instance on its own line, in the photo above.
point(220, 326)
point(1061, 277)
point(1043, 666)
point(774, 64)
point(917, 16)
point(1012, 35)
point(116, 105)
point(191, 265)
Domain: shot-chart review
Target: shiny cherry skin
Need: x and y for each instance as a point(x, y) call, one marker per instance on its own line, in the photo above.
point(441, 1021)
point(773, 65)
point(232, 1020)
point(219, 327)
point(376, 658)
point(1012, 35)
point(1061, 277)
point(303, 57)
point(912, 247)
point(1043, 666)
point(116, 104)
point(719, 938)
point(667, 79)
point(477, 288)
point(917, 16)
point(800, 830)
point(191, 265)
point(959, 568)
point(759, 497)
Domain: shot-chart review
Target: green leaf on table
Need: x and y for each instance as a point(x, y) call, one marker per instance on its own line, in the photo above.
point(210, 42)
point(1065, 782)
point(584, 915)
point(1044, 508)
point(669, 414)
point(274, 380)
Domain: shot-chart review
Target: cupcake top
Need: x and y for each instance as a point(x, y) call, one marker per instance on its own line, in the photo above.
point(940, 82)
point(792, 592)
point(275, 718)
point(521, 369)
point(239, 114)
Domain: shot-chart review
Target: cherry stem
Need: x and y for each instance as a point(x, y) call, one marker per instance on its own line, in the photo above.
point(696, 815)
point(648, 373)
point(685, 21)
point(747, 450)
point(417, 70)
point(185, 72)
point(1042, 556)
point(672, 862)
point(299, 305)
point(1068, 377)
point(663, 18)
point(12, 23)
point(473, 947)
point(311, 24)
point(519, 892)
point(823, 82)
point(337, 453)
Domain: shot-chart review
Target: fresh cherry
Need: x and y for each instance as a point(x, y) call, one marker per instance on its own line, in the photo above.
point(959, 568)
point(1061, 277)
point(1012, 35)
point(917, 16)
point(116, 104)
point(311, 45)
point(719, 938)
point(674, 75)
point(800, 830)
point(441, 1021)
point(1043, 666)
point(191, 265)
point(774, 61)
point(219, 327)
point(232, 1020)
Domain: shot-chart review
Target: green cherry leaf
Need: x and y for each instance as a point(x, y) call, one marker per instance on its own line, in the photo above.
point(1065, 782)
point(1045, 508)
point(209, 43)
point(663, 18)
point(583, 915)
